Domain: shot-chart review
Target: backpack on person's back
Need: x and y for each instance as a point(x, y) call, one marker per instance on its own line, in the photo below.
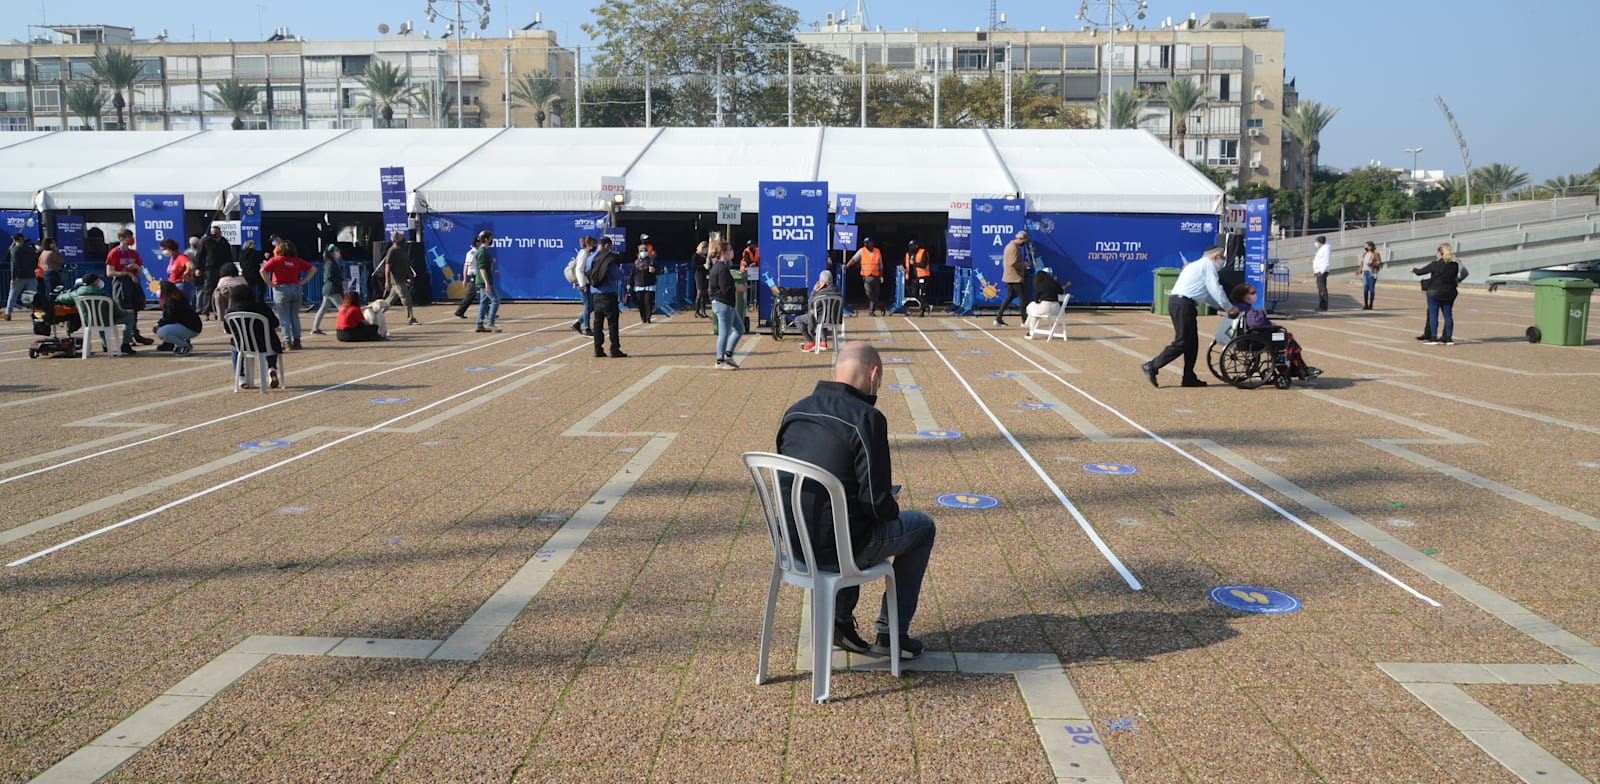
point(600, 267)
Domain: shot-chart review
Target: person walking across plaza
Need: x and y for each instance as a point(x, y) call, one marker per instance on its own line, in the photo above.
point(24, 264)
point(723, 292)
point(644, 282)
point(399, 274)
point(577, 275)
point(332, 287)
point(605, 275)
point(839, 429)
point(1014, 264)
point(1320, 264)
point(483, 266)
point(919, 274)
point(870, 260)
point(1196, 284)
point(288, 274)
point(1371, 262)
point(470, 275)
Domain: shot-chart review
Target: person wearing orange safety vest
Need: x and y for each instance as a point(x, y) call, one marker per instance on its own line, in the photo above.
point(871, 261)
point(919, 273)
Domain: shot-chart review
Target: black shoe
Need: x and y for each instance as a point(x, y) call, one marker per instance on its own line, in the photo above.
point(1150, 373)
point(999, 322)
point(1424, 337)
point(1194, 382)
point(165, 346)
point(846, 638)
point(127, 348)
point(183, 351)
point(482, 329)
point(600, 354)
point(461, 314)
point(577, 327)
point(618, 355)
point(910, 647)
point(142, 340)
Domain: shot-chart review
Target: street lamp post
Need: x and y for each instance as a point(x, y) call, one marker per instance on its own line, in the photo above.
point(476, 10)
point(1413, 151)
point(1110, 25)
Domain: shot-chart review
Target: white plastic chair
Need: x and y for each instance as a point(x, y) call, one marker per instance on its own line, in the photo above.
point(251, 335)
point(1058, 326)
point(827, 313)
point(780, 507)
point(99, 316)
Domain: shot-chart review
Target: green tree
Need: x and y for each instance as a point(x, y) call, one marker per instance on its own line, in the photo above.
point(87, 101)
point(1123, 108)
point(1216, 176)
point(441, 109)
point(609, 102)
point(385, 86)
point(1182, 95)
point(1305, 123)
point(117, 70)
point(235, 97)
point(538, 92)
point(1572, 184)
point(1499, 179)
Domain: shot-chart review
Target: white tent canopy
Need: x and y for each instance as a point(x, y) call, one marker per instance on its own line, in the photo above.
point(559, 169)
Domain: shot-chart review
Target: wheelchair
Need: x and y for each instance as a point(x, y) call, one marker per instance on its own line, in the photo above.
point(1249, 358)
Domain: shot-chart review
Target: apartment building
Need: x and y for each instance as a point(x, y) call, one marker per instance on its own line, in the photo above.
point(1238, 58)
point(304, 84)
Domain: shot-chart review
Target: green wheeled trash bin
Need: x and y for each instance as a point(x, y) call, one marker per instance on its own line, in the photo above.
point(1560, 311)
point(1165, 277)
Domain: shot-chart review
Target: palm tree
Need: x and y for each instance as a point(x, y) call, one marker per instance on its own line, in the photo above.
point(385, 86)
point(538, 92)
point(87, 101)
point(1568, 183)
point(1305, 123)
point(118, 70)
point(235, 97)
point(440, 110)
point(1182, 96)
point(1499, 178)
point(1122, 108)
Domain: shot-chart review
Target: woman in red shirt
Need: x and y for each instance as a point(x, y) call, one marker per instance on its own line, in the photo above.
point(352, 324)
point(180, 271)
point(288, 273)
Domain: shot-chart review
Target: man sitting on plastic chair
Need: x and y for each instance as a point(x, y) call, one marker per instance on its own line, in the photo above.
point(839, 429)
point(807, 322)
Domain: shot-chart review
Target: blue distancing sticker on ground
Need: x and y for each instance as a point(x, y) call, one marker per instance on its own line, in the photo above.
point(905, 387)
point(1036, 406)
point(1246, 598)
point(478, 369)
point(1002, 374)
point(939, 433)
point(264, 443)
point(896, 361)
point(389, 401)
point(975, 351)
point(967, 501)
point(1109, 468)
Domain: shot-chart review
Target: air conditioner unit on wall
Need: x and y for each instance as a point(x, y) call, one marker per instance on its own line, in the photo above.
point(1255, 132)
point(1261, 97)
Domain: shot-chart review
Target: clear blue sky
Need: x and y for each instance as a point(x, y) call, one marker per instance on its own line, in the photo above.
point(1520, 77)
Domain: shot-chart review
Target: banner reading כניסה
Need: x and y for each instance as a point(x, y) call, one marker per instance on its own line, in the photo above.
point(994, 223)
point(156, 217)
point(793, 236)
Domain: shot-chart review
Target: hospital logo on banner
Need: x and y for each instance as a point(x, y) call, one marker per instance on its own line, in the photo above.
point(442, 224)
point(1044, 225)
point(778, 192)
point(1197, 227)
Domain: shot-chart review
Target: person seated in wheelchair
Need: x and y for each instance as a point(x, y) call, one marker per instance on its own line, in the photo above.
point(1255, 320)
point(807, 323)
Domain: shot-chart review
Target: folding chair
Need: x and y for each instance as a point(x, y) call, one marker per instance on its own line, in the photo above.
point(1058, 326)
point(99, 318)
point(778, 481)
point(251, 335)
point(827, 313)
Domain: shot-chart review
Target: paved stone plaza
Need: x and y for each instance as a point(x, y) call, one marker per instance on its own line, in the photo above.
point(457, 557)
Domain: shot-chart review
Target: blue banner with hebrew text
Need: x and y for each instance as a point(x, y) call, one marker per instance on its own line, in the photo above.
point(531, 250)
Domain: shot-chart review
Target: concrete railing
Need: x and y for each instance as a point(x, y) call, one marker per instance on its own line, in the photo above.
point(1493, 216)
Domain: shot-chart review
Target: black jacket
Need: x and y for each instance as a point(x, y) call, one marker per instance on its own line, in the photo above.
point(250, 267)
point(1046, 289)
point(699, 267)
point(1444, 275)
point(719, 283)
point(839, 429)
point(179, 311)
point(24, 259)
point(214, 252)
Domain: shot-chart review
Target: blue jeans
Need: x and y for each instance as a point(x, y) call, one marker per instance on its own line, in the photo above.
point(176, 334)
point(588, 307)
point(19, 285)
point(1435, 307)
point(287, 300)
point(908, 541)
point(188, 293)
point(488, 306)
point(1369, 287)
point(730, 327)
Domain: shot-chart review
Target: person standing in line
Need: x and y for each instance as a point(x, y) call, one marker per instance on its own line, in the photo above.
point(700, 267)
point(332, 287)
point(1371, 262)
point(399, 275)
point(24, 262)
point(469, 273)
point(644, 283)
point(723, 292)
point(180, 266)
point(1014, 266)
point(214, 251)
point(249, 266)
point(125, 271)
point(1196, 283)
point(52, 264)
point(839, 428)
point(1320, 264)
point(919, 273)
point(605, 275)
point(577, 272)
point(483, 266)
point(1444, 276)
point(871, 261)
point(288, 274)
point(179, 324)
